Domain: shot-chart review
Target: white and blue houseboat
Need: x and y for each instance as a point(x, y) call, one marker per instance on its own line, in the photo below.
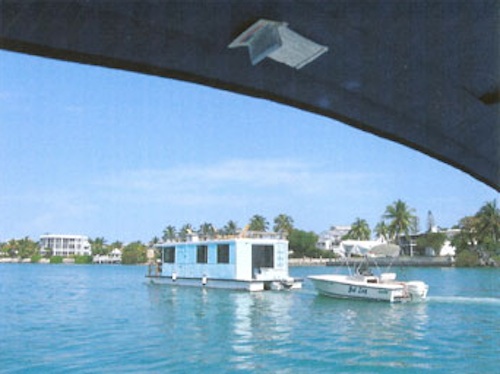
point(253, 261)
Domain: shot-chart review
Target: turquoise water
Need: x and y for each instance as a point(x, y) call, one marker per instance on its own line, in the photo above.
point(108, 319)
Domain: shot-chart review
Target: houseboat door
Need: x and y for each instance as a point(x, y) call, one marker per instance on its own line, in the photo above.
point(262, 257)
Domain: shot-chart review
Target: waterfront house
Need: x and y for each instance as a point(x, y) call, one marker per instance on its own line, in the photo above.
point(330, 240)
point(65, 245)
point(114, 257)
point(409, 244)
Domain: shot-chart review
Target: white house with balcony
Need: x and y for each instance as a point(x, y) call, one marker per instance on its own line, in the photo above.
point(330, 240)
point(65, 245)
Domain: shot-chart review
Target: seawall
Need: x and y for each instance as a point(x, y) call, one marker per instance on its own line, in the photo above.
point(379, 261)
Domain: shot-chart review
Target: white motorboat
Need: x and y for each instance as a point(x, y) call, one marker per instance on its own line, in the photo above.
point(382, 288)
point(365, 285)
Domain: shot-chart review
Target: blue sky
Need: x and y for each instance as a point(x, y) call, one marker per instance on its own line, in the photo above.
point(120, 155)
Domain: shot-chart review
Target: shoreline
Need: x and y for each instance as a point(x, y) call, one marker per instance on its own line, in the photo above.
point(380, 261)
point(403, 261)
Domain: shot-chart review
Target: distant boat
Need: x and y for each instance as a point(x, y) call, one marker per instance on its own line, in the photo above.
point(363, 284)
point(252, 261)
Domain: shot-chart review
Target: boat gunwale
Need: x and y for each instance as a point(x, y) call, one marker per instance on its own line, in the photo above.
point(342, 279)
point(395, 298)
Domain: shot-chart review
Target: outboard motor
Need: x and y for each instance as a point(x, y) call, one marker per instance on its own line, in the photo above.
point(287, 282)
point(417, 290)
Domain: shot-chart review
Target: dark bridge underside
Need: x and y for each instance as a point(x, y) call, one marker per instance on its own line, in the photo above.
point(423, 73)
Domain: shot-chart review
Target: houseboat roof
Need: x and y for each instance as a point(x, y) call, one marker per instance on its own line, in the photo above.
point(197, 238)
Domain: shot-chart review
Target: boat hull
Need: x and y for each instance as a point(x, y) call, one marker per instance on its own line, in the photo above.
point(243, 285)
point(340, 286)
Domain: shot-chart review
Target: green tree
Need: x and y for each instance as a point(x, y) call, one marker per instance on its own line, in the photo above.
point(466, 239)
point(28, 248)
point(487, 225)
point(134, 253)
point(401, 220)
point(433, 240)
point(284, 224)
point(478, 238)
point(360, 230)
point(185, 230)
point(155, 240)
point(207, 230)
point(24, 248)
point(99, 246)
point(258, 223)
point(382, 231)
point(4, 250)
point(11, 248)
point(303, 244)
point(116, 244)
point(169, 234)
point(231, 228)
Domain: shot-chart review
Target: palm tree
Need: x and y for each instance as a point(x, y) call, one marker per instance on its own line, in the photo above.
point(231, 228)
point(169, 233)
point(27, 247)
point(382, 230)
point(479, 234)
point(467, 237)
point(207, 230)
point(401, 221)
point(488, 223)
point(12, 248)
point(154, 241)
point(4, 249)
point(185, 230)
point(283, 223)
point(360, 230)
point(98, 246)
point(116, 244)
point(258, 223)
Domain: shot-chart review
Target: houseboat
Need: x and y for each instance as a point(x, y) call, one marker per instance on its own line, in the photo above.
point(252, 261)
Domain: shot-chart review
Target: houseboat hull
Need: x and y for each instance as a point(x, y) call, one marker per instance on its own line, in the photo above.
point(240, 285)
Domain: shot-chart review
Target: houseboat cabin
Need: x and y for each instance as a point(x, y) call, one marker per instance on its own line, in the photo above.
point(254, 262)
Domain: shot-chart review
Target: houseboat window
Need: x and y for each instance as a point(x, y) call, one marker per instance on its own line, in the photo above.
point(223, 253)
point(202, 254)
point(262, 256)
point(169, 255)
